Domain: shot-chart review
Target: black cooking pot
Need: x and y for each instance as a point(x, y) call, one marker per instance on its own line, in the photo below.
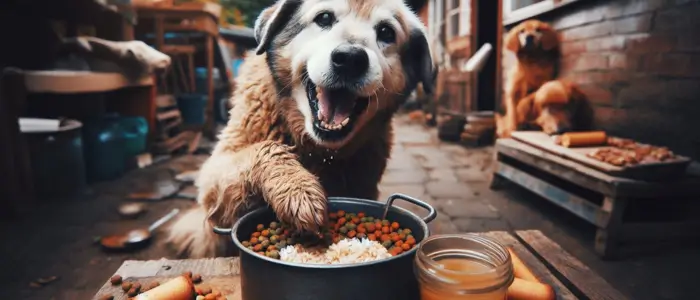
point(264, 278)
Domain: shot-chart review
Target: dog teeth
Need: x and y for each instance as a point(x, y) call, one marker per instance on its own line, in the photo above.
point(319, 115)
point(334, 126)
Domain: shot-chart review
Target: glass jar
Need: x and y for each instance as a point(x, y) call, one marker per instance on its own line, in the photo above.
point(463, 266)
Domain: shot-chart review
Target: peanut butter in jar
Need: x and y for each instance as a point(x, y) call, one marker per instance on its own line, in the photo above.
point(463, 266)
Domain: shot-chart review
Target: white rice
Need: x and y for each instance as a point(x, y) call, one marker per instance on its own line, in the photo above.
point(346, 251)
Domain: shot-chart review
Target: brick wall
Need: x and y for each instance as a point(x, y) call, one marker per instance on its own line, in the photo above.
point(639, 64)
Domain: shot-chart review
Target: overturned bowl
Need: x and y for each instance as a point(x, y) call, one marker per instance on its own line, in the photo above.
point(264, 278)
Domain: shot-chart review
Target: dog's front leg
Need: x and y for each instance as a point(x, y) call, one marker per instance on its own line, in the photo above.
point(231, 182)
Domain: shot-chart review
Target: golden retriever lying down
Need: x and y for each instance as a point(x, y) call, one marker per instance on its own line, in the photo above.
point(536, 48)
point(311, 115)
point(557, 107)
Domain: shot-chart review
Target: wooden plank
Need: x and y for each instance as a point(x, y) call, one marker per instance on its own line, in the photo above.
point(219, 273)
point(651, 171)
point(69, 82)
point(567, 268)
point(659, 231)
point(168, 115)
point(177, 49)
point(595, 180)
point(539, 269)
point(163, 101)
point(577, 205)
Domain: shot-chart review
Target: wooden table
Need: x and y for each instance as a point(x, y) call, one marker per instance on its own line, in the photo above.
point(570, 278)
point(624, 210)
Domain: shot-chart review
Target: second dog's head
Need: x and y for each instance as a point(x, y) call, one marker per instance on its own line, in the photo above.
point(557, 107)
point(343, 61)
point(531, 35)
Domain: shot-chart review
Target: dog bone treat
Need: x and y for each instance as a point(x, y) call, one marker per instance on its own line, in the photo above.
point(520, 270)
point(583, 139)
point(179, 288)
point(522, 289)
point(346, 231)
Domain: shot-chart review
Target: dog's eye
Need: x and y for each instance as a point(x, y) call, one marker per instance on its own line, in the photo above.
point(386, 34)
point(538, 30)
point(324, 19)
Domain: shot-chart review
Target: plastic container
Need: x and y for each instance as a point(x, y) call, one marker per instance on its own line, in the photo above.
point(56, 158)
point(135, 135)
point(192, 108)
point(105, 148)
point(463, 267)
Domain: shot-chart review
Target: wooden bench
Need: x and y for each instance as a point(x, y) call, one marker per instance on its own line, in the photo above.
point(601, 199)
point(570, 278)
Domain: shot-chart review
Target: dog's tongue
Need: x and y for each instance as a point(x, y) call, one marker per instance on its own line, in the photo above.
point(335, 106)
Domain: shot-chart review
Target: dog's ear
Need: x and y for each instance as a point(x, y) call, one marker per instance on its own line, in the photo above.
point(418, 61)
point(512, 41)
point(271, 21)
point(549, 38)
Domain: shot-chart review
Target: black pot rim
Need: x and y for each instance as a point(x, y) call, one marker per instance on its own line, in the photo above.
point(261, 210)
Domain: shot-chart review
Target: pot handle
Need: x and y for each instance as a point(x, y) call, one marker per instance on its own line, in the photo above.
point(432, 213)
point(222, 231)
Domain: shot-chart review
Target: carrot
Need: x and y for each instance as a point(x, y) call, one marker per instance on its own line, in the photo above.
point(340, 213)
point(265, 233)
point(406, 247)
point(395, 225)
point(385, 229)
point(398, 244)
point(341, 221)
point(361, 230)
point(372, 237)
point(352, 233)
point(385, 237)
point(356, 220)
point(371, 227)
point(361, 215)
point(395, 238)
point(255, 234)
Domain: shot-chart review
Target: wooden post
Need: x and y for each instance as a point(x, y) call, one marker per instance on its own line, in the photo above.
point(209, 126)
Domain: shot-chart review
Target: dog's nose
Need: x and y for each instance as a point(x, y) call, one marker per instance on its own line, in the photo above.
point(529, 39)
point(350, 61)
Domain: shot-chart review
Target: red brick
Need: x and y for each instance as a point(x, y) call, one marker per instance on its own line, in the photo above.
point(646, 92)
point(579, 17)
point(655, 42)
point(617, 9)
point(586, 62)
point(587, 31)
point(671, 64)
point(682, 93)
point(677, 19)
point(607, 43)
point(626, 61)
point(606, 77)
point(608, 118)
point(573, 48)
point(597, 95)
point(633, 24)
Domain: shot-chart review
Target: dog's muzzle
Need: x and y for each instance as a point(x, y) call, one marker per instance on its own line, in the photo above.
point(349, 62)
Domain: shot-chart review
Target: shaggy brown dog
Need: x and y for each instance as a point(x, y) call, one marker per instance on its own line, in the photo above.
point(556, 107)
point(311, 115)
point(535, 45)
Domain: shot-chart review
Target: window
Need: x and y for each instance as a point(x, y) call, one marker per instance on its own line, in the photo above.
point(452, 12)
point(519, 10)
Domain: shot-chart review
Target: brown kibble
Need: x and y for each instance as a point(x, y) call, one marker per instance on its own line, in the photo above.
point(106, 297)
point(116, 279)
point(132, 292)
point(126, 286)
point(187, 274)
point(196, 278)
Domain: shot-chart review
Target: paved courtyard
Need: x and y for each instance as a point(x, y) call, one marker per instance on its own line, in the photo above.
point(58, 238)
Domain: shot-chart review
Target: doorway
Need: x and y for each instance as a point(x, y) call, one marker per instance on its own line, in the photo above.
point(487, 26)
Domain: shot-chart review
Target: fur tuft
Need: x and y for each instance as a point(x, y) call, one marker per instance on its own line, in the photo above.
point(193, 237)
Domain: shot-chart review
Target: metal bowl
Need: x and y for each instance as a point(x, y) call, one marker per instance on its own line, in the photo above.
point(264, 278)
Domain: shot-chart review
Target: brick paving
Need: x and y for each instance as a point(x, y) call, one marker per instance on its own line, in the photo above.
point(58, 238)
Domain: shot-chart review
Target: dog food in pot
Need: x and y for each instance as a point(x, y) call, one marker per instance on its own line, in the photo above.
point(349, 237)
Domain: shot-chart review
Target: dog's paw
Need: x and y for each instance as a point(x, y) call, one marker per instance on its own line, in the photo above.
point(304, 206)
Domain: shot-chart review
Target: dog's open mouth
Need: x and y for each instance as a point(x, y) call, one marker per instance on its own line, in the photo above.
point(334, 110)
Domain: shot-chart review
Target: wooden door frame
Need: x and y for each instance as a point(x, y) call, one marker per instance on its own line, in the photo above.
point(497, 51)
